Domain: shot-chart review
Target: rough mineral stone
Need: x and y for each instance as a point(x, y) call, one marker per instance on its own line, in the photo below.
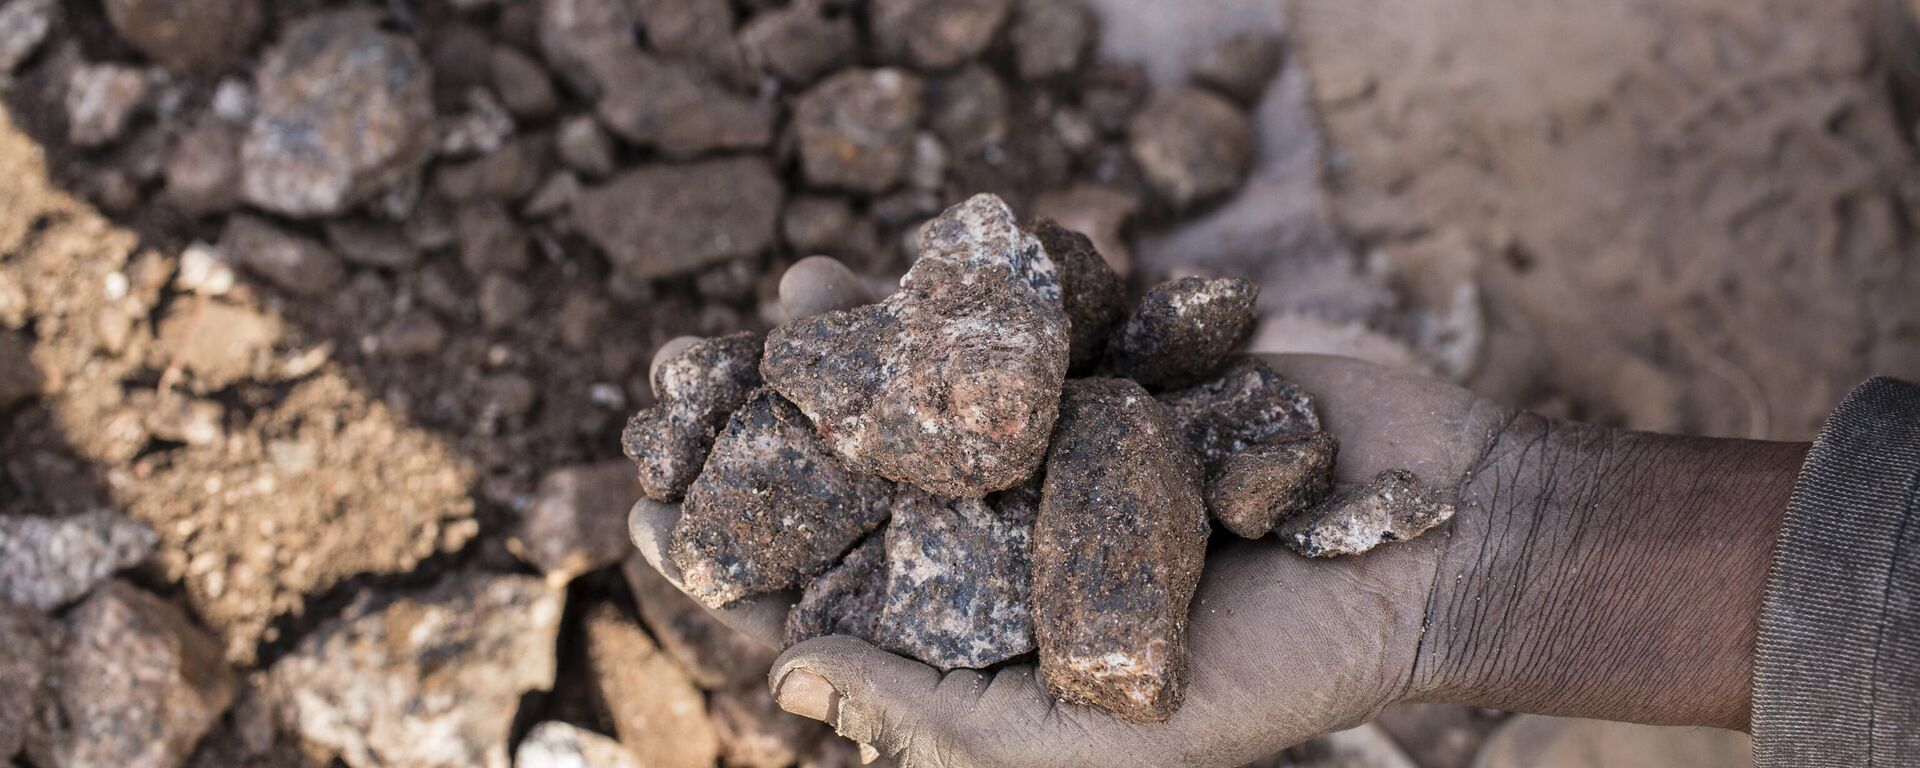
point(970, 109)
point(423, 678)
point(1396, 506)
point(1117, 553)
point(1268, 484)
point(372, 244)
point(755, 732)
point(855, 129)
point(1241, 65)
point(344, 115)
point(1051, 37)
point(676, 108)
point(101, 100)
point(1093, 294)
point(578, 520)
point(585, 147)
point(772, 508)
point(657, 713)
point(1246, 405)
point(1101, 212)
point(951, 383)
point(554, 744)
point(1183, 330)
point(194, 36)
point(581, 38)
point(696, 391)
point(935, 34)
point(696, 30)
point(797, 43)
point(136, 684)
point(203, 173)
point(711, 653)
point(24, 25)
point(290, 262)
point(522, 83)
point(846, 600)
point(696, 214)
point(1191, 145)
point(47, 562)
point(959, 578)
point(28, 642)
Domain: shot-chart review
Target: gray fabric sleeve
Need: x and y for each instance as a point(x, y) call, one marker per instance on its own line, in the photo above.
point(1837, 670)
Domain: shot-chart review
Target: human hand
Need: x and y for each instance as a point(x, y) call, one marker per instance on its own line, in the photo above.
point(1563, 586)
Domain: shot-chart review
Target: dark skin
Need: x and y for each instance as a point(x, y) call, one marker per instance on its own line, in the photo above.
point(1589, 572)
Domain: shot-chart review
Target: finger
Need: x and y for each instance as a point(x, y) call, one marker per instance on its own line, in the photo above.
point(761, 617)
point(868, 695)
point(819, 284)
point(669, 351)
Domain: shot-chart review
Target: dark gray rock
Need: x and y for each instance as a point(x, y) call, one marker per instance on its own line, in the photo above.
point(772, 508)
point(855, 129)
point(290, 262)
point(1183, 330)
point(958, 578)
point(1191, 145)
point(1117, 552)
point(935, 34)
point(345, 113)
point(846, 600)
point(970, 109)
point(1246, 405)
point(1051, 37)
point(696, 391)
point(950, 384)
point(662, 220)
point(1268, 484)
point(1241, 66)
point(1396, 506)
point(797, 43)
point(200, 37)
point(677, 108)
point(1093, 294)
point(522, 84)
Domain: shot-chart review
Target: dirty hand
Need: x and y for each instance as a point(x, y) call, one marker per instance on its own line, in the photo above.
point(1588, 572)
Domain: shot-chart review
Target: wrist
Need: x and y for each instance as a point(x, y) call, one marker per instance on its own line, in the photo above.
point(1605, 573)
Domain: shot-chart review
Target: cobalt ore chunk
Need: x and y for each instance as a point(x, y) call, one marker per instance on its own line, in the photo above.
point(712, 654)
point(1241, 66)
point(1266, 485)
point(1117, 552)
point(1183, 330)
point(855, 129)
point(846, 600)
point(950, 384)
point(695, 215)
point(1191, 145)
point(772, 508)
point(697, 390)
point(1093, 294)
point(935, 34)
point(1246, 405)
point(958, 578)
point(1396, 506)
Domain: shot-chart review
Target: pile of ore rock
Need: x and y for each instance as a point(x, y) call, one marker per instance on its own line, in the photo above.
point(999, 459)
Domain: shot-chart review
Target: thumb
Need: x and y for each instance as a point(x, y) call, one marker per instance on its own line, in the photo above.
point(866, 694)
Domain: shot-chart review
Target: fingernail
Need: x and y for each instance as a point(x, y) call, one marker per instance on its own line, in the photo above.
point(808, 695)
point(868, 754)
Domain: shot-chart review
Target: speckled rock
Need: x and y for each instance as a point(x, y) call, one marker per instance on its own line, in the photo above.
point(712, 654)
point(28, 642)
point(422, 678)
point(755, 732)
point(1267, 484)
point(1241, 66)
point(959, 578)
point(1246, 405)
point(193, 36)
point(697, 390)
point(578, 520)
point(554, 744)
point(697, 214)
point(101, 101)
point(659, 716)
point(797, 43)
point(846, 600)
point(950, 384)
point(772, 508)
point(1396, 506)
point(136, 684)
point(1183, 330)
point(935, 34)
point(345, 113)
point(1051, 37)
point(47, 562)
point(24, 25)
point(855, 129)
point(1093, 294)
point(1122, 491)
point(1192, 145)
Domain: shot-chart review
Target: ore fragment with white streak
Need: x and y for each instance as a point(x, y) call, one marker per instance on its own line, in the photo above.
point(697, 390)
point(958, 578)
point(952, 383)
point(1183, 330)
point(1396, 506)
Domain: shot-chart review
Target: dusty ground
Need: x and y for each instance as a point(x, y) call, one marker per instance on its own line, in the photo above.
point(1692, 215)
